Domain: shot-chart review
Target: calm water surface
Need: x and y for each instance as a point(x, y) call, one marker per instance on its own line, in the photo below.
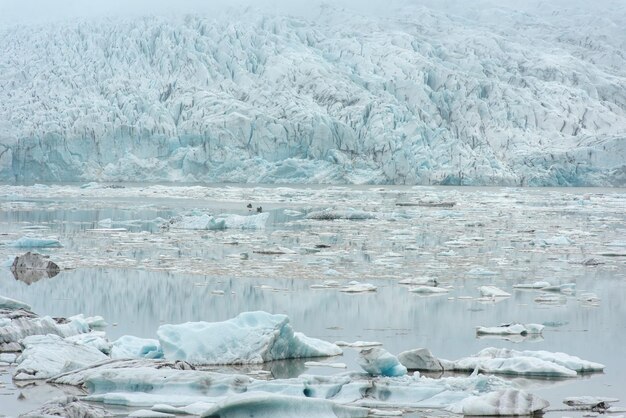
point(140, 275)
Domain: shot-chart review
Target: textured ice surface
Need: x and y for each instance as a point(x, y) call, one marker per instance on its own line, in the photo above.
point(379, 362)
point(129, 346)
point(520, 93)
point(420, 359)
point(45, 356)
point(8, 303)
point(508, 329)
point(18, 328)
point(205, 221)
point(504, 402)
point(251, 337)
point(30, 241)
point(526, 363)
point(146, 383)
point(69, 407)
point(270, 406)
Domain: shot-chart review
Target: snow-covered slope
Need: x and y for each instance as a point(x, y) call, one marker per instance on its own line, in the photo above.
point(418, 95)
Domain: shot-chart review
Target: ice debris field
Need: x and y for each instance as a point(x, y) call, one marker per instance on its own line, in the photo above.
point(495, 93)
point(329, 301)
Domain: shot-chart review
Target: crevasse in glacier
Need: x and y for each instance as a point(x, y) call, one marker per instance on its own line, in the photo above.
point(493, 95)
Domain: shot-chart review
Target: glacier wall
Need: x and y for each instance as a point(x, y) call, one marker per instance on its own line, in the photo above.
point(495, 95)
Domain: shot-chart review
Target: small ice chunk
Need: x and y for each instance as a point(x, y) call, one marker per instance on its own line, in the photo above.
point(420, 359)
point(568, 288)
point(379, 362)
point(358, 287)
point(509, 329)
point(358, 344)
point(493, 291)
point(322, 364)
point(129, 346)
point(419, 281)
point(535, 285)
point(95, 339)
point(8, 303)
point(31, 241)
point(428, 290)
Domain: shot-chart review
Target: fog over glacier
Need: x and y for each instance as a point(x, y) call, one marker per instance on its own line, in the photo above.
point(429, 92)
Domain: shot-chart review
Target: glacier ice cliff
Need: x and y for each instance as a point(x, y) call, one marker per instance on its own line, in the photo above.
point(531, 94)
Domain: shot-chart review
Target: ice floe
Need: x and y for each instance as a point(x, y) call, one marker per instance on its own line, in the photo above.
point(45, 356)
point(428, 290)
point(503, 402)
point(493, 291)
point(218, 222)
point(251, 337)
point(509, 329)
point(31, 241)
point(358, 287)
point(8, 303)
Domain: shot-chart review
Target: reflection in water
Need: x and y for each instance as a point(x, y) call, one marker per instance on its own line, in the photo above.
point(142, 277)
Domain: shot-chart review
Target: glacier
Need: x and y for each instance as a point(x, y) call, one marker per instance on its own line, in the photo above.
point(432, 93)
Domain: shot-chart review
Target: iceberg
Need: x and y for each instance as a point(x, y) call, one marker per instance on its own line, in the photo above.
point(379, 362)
point(501, 403)
point(69, 406)
point(511, 329)
point(420, 359)
point(493, 292)
point(26, 325)
point(35, 242)
point(129, 346)
point(45, 356)
point(8, 303)
point(505, 361)
point(251, 337)
point(217, 223)
point(270, 406)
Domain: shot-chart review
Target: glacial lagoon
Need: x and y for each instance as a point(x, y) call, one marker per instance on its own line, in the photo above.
point(124, 257)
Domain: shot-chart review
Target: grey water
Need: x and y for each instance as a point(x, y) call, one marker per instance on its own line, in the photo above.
point(145, 276)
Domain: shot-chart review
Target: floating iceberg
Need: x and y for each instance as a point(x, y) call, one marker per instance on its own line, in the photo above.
point(527, 363)
point(251, 337)
point(379, 362)
point(70, 406)
point(420, 359)
point(35, 242)
point(45, 356)
point(511, 329)
point(358, 287)
point(505, 361)
point(534, 285)
point(154, 383)
point(270, 406)
point(334, 214)
point(26, 325)
point(210, 222)
point(503, 402)
point(129, 346)
point(428, 290)
point(492, 291)
point(8, 303)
